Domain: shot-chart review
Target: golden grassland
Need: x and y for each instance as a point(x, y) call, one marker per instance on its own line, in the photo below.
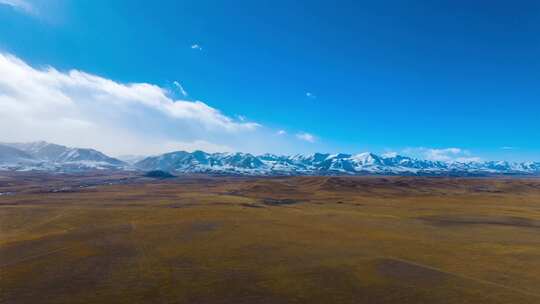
point(270, 240)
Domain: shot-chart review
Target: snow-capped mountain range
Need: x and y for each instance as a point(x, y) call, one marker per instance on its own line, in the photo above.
point(51, 157)
point(324, 164)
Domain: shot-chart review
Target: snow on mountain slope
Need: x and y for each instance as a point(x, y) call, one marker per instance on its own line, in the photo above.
point(13, 159)
point(41, 150)
point(53, 157)
point(201, 162)
point(10, 154)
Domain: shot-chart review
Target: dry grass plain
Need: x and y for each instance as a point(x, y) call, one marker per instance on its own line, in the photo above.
point(275, 240)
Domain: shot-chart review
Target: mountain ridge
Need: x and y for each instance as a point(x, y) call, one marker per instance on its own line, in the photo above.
point(44, 156)
point(325, 164)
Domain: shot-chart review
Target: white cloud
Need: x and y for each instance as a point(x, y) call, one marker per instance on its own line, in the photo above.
point(193, 146)
point(390, 154)
point(19, 5)
point(468, 159)
point(180, 88)
point(443, 155)
point(310, 95)
point(196, 47)
point(281, 132)
point(306, 137)
point(508, 148)
point(80, 109)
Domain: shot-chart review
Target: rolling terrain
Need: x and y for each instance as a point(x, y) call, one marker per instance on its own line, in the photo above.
point(124, 238)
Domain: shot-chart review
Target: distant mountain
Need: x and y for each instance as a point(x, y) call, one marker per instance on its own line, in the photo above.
point(52, 157)
point(12, 155)
point(324, 164)
point(47, 156)
point(201, 162)
point(41, 150)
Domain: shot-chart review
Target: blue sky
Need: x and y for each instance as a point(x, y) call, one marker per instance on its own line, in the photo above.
point(455, 77)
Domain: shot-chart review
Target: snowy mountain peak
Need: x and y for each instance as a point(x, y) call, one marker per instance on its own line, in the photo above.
point(367, 158)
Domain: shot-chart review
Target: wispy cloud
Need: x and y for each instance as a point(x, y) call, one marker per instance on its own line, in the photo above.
point(20, 5)
point(509, 148)
point(281, 132)
point(444, 154)
point(306, 137)
point(180, 88)
point(196, 47)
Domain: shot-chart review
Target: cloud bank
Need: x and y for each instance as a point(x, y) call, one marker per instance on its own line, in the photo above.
point(80, 109)
point(306, 137)
point(444, 154)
